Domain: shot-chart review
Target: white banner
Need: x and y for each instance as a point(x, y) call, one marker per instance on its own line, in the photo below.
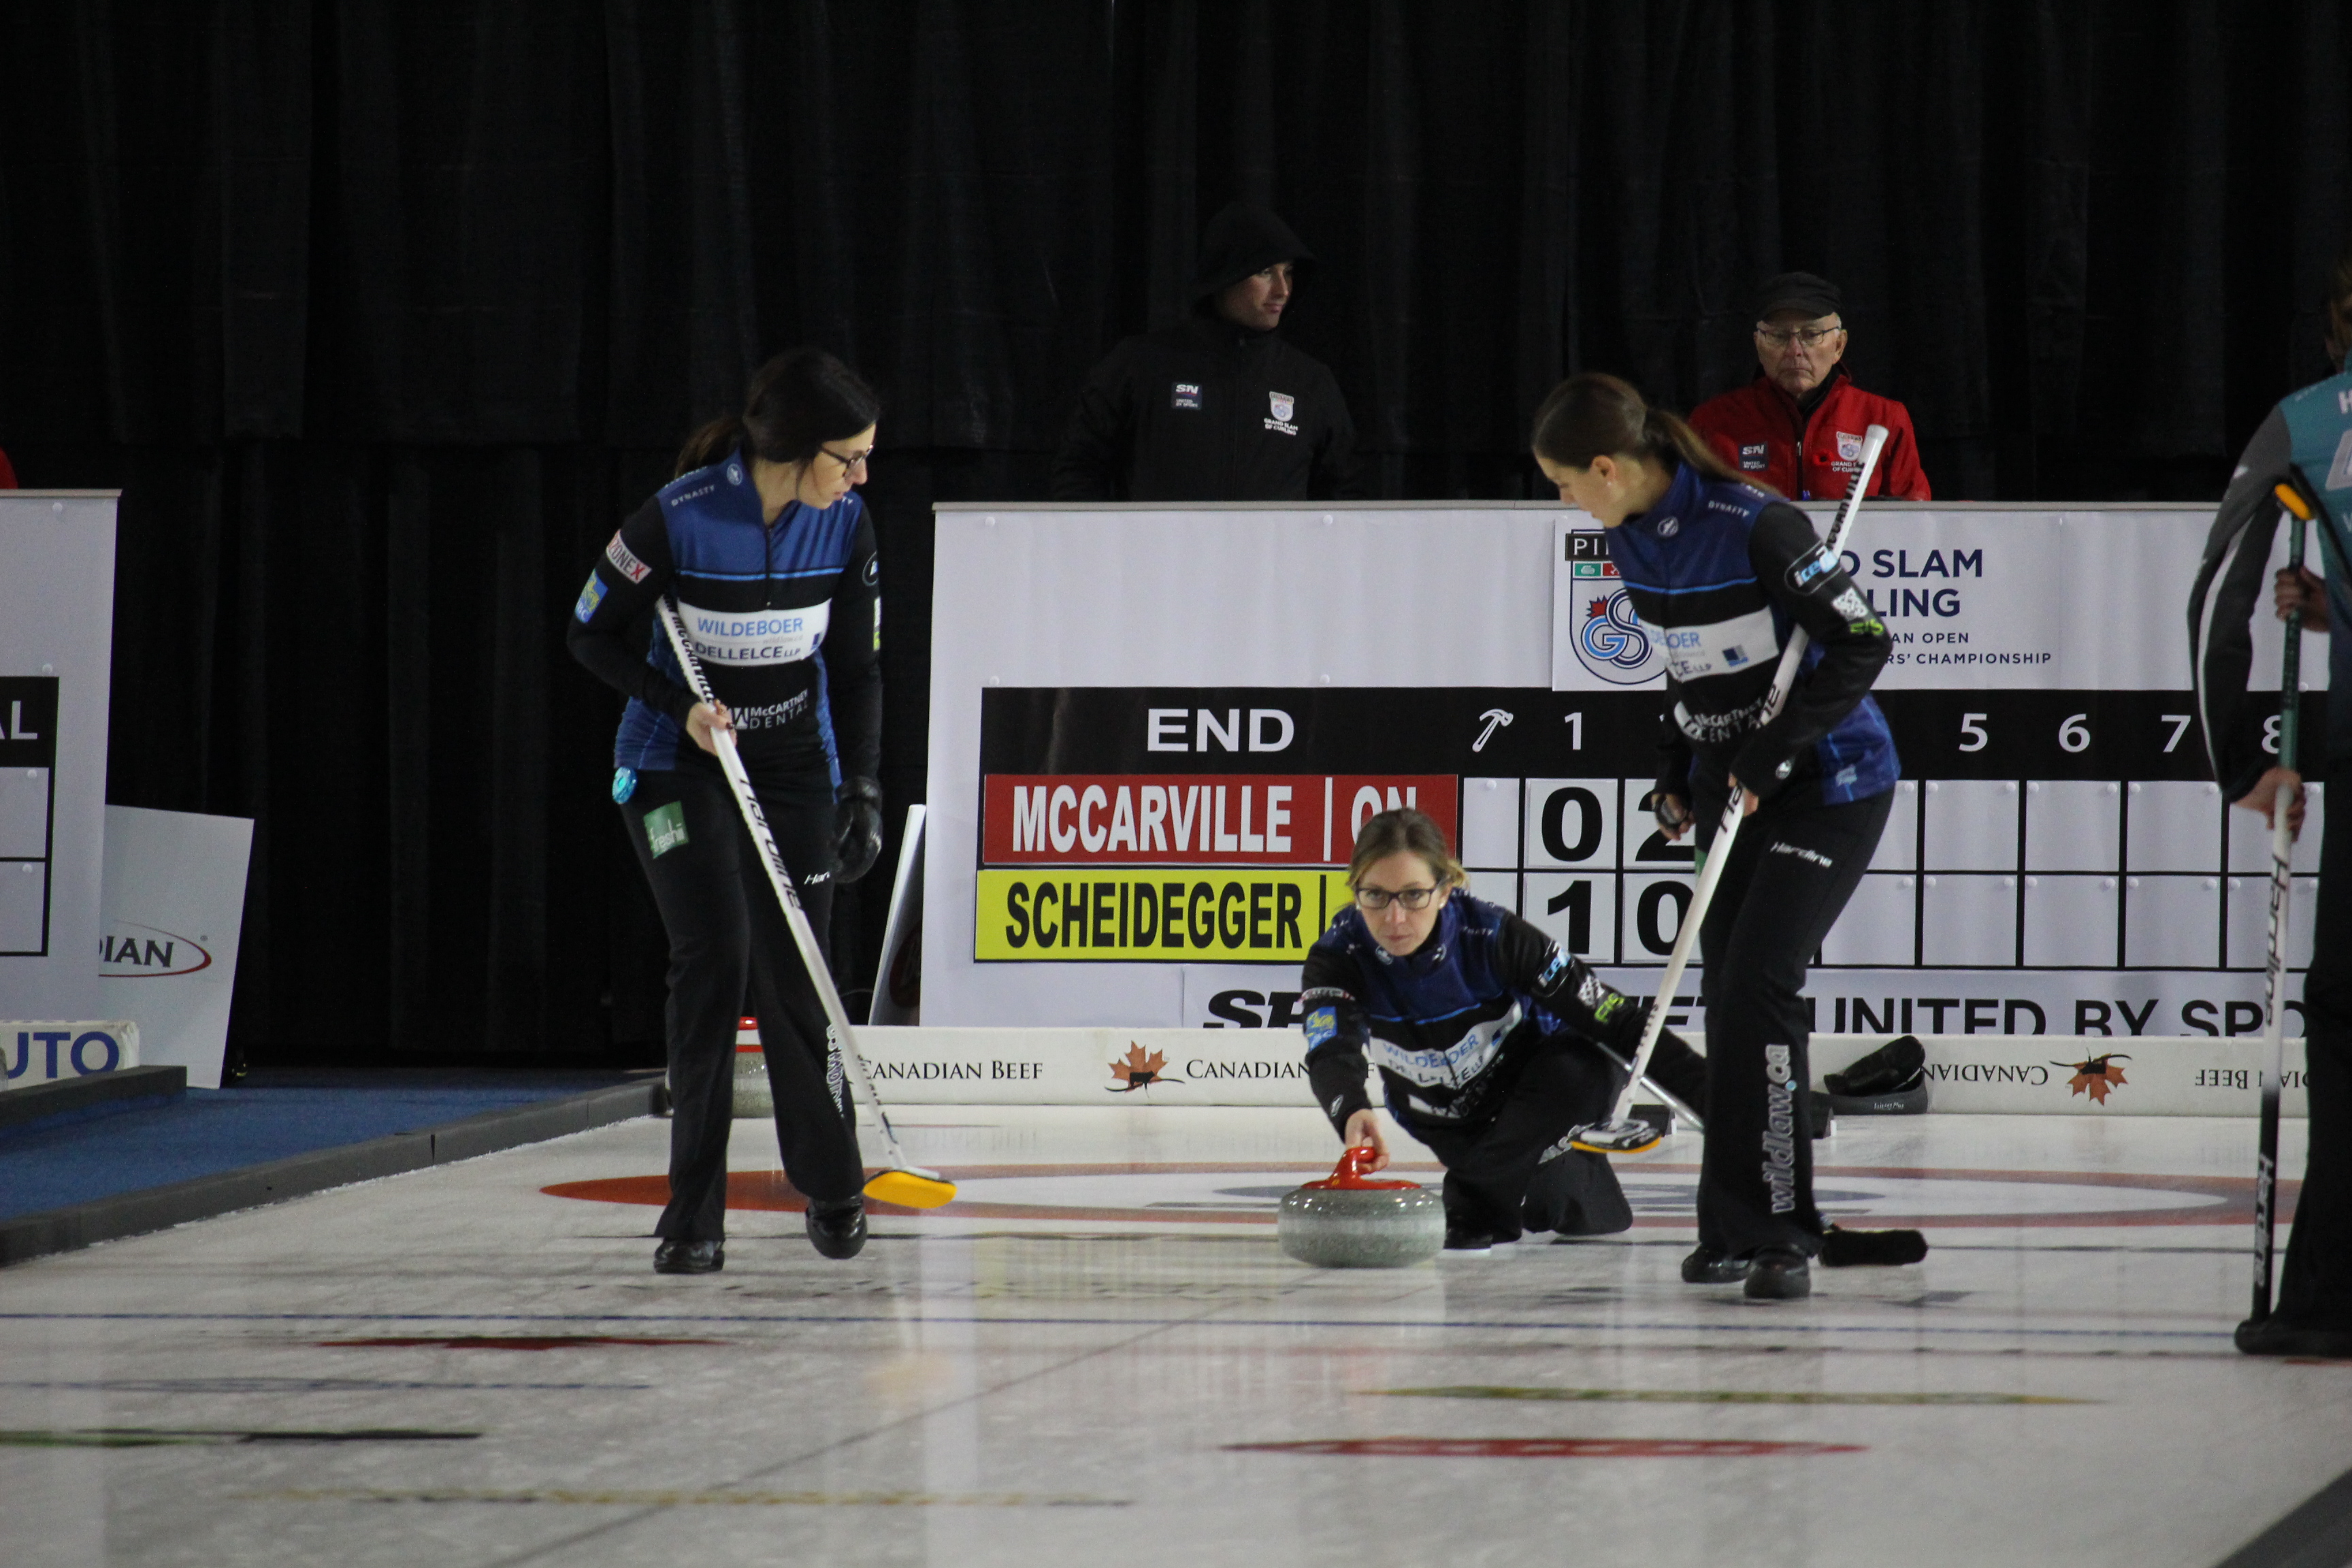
point(34, 1051)
point(57, 638)
point(174, 906)
point(2000, 1074)
point(1977, 597)
point(1153, 730)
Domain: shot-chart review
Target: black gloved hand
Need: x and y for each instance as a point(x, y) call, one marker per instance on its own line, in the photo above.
point(857, 827)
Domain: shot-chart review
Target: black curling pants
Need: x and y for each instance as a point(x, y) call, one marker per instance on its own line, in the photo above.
point(1517, 1173)
point(725, 929)
point(1790, 872)
point(2315, 1283)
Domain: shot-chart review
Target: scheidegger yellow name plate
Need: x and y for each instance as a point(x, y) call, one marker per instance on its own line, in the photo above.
point(1132, 915)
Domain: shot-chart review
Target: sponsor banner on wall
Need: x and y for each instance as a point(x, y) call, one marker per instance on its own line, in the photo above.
point(1977, 597)
point(174, 906)
point(2054, 852)
point(2194, 1074)
point(925, 1065)
point(57, 638)
point(1994, 1074)
point(33, 1051)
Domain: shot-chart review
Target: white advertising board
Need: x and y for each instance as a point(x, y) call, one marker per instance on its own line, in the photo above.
point(2196, 1075)
point(57, 638)
point(1153, 730)
point(175, 904)
point(35, 1050)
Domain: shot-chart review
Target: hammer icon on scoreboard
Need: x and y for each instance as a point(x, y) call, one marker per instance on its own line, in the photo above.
point(1495, 718)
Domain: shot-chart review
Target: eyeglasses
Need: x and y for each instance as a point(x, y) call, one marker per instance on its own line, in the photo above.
point(1777, 337)
point(848, 461)
point(1377, 899)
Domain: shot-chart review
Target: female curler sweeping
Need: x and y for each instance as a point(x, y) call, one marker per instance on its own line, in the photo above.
point(768, 549)
point(1724, 573)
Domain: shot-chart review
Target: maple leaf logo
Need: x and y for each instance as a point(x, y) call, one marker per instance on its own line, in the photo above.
point(2097, 1078)
point(1597, 610)
point(1138, 1070)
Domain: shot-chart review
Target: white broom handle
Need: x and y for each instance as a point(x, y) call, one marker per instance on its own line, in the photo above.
point(2273, 1078)
point(779, 878)
point(1784, 680)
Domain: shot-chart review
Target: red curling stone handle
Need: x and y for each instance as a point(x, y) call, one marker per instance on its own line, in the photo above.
point(1353, 1173)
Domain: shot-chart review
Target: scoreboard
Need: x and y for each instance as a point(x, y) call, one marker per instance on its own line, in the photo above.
point(1146, 823)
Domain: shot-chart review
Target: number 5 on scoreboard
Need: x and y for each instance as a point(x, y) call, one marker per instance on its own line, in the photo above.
point(1972, 730)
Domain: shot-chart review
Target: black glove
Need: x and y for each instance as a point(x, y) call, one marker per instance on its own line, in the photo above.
point(859, 829)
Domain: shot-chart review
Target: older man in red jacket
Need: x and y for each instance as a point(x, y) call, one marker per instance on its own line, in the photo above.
point(1798, 426)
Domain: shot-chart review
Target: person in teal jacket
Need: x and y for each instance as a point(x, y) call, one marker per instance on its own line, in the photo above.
point(2306, 440)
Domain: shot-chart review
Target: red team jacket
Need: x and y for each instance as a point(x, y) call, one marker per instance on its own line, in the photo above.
point(1761, 431)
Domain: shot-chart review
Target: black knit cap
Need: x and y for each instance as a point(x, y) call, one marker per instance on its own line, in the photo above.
point(1796, 291)
point(1242, 239)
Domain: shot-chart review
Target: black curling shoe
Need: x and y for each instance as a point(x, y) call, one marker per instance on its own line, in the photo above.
point(838, 1230)
point(1467, 1240)
point(673, 1256)
point(2282, 1336)
point(1779, 1274)
point(1704, 1267)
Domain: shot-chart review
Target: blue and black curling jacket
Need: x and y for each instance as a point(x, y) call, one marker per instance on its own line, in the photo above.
point(1447, 1023)
point(1722, 571)
point(785, 617)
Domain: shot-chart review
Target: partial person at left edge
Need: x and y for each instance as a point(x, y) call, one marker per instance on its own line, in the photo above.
point(7, 473)
point(1220, 407)
point(769, 551)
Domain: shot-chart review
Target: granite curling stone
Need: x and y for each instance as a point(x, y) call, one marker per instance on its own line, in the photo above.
point(1349, 1220)
point(753, 1097)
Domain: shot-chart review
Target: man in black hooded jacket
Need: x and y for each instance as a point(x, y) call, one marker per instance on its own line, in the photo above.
point(1219, 408)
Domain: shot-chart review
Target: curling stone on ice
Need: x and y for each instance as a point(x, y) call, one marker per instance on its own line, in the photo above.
point(1352, 1220)
point(753, 1097)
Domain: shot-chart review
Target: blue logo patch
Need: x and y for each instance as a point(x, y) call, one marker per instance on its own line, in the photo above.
point(1809, 568)
point(625, 785)
point(590, 597)
point(1321, 1025)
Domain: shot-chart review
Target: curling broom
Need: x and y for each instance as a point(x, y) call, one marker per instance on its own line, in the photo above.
point(910, 1186)
point(2300, 512)
point(1622, 1134)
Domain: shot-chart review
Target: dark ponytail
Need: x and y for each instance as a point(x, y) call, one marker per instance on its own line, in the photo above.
point(798, 400)
point(1590, 415)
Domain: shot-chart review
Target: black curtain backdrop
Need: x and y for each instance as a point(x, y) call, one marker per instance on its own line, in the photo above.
point(382, 313)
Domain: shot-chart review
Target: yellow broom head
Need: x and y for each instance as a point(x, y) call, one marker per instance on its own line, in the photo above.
point(908, 1189)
